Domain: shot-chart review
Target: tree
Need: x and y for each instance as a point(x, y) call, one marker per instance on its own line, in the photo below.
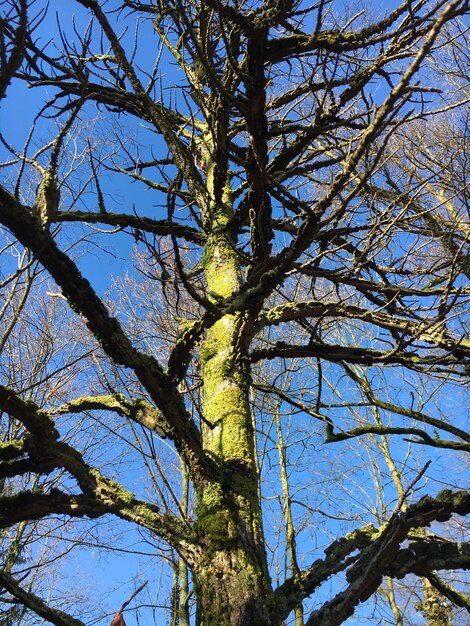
point(301, 243)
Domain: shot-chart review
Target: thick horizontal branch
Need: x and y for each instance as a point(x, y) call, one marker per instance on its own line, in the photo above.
point(21, 467)
point(138, 410)
point(379, 32)
point(424, 437)
point(100, 494)
point(108, 498)
point(112, 97)
point(374, 429)
point(424, 556)
point(336, 353)
point(29, 506)
point(427, 331)
point(337, 41)
point(365, 286)
point(144, 224)
point(417, 416)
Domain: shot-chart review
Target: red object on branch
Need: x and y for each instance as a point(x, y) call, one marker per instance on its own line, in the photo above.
point(118, 620)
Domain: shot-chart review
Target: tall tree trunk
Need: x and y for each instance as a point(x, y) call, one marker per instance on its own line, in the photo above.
point(233, 579)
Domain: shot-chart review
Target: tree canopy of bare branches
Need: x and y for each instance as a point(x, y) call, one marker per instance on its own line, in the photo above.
point(237, 235)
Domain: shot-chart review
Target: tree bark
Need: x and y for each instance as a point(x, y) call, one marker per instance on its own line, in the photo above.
point(233, 578)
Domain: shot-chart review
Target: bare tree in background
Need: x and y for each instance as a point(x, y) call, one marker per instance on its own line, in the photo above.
point(276, 168)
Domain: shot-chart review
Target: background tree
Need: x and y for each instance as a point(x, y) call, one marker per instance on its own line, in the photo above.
point(298, 213)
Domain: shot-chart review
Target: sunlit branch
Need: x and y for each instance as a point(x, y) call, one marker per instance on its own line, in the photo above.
point(138, 410)
point(428, 331)
point(349, 354)
point(379, 555)
point(100, 494)
point(144, 224)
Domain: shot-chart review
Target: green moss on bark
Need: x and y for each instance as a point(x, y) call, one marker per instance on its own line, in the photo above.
point(232, 576)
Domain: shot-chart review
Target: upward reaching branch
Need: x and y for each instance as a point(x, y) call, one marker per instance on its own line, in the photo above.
point(105, 328)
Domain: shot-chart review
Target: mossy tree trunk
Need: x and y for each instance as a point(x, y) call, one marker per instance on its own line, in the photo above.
point(232, 579)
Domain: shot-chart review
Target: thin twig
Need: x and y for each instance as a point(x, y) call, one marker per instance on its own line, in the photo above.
point(132, 596)
point(402, 498)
